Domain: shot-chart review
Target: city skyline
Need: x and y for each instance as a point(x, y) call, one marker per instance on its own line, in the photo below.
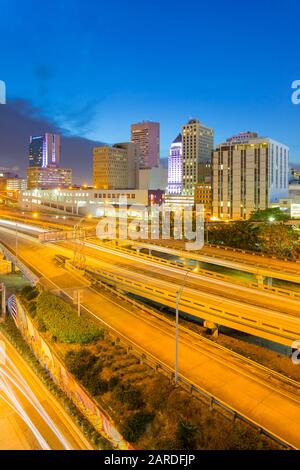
point(77, 145)
point(150, 230)
point(234, 86)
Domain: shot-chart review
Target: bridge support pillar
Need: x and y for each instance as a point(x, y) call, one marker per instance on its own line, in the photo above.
point(270, 281)
point(213, 327)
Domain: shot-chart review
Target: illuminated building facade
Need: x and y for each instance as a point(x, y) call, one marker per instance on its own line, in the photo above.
point(44, 150)
point(49, 177)
point(197, 147)
point(248, 176)
point(114, 167)
point(147, 137)
point(175, 166)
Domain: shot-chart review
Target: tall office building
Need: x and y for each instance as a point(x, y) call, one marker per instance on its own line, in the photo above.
point(248, 174)
point(132, 155)
point(50, 177)
point(175, 166)
point(114, 167)
point(44, 150)
point(147, 137)
point(197, 147)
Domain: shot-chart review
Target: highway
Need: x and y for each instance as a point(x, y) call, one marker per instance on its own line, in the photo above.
point(271, 401)
point(196, 281)
point(250, 310)
point(222, 256)
point(255, 264)
point(247, 309)
point(30, 416)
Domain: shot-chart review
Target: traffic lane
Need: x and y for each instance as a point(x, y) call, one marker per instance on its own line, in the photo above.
point(194, 281)
point(60, 432)
point(33, 248)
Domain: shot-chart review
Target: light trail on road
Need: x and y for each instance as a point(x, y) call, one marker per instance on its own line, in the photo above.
point(37, 415)
point(14, 390)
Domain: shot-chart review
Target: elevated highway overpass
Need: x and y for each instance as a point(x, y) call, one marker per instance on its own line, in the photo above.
point(281, 328)
point(250, 390)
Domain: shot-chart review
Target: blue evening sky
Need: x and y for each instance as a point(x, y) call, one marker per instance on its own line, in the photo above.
point(94, 67)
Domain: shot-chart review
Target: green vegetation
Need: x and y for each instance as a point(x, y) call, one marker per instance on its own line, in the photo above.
point(243, 235)
point(148, 410)
point(86, 367)
point(269, 215)
point(136, 425)
point(266, 237)
point(60, 319)
point(130, 396)
point(186, 435)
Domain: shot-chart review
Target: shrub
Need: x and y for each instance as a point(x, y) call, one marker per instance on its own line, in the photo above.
point(135, 425)
point(41, 325)
point(113, 382)
point(29, 293)
point(186, 435)
point(86, 367)
point(61, 320)
point(32, 308)
point(79, 362)
point(129, 396)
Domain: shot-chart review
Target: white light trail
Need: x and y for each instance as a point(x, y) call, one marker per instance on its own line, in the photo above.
point(20, 225)
point(11, 380)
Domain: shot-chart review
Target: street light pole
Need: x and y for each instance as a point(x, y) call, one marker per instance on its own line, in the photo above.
point(178, 297)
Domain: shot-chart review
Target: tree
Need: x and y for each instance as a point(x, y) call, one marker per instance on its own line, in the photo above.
point(278, 240)
point(241, 234)
point(268, 215)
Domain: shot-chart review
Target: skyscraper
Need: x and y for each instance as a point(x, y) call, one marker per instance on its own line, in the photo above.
point(147, 137)
point(197, 147)
point(248, 173)
point(44, 150)
point(175, 166)
point(131, 150)
point(114, 167)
